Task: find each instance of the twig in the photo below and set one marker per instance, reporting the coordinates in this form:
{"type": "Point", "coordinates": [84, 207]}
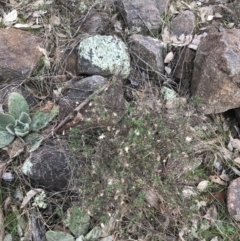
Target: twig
{"type": "Point", "coordinates": [74, 113]}
{"type": "Point", "coordinates": [1, 225]}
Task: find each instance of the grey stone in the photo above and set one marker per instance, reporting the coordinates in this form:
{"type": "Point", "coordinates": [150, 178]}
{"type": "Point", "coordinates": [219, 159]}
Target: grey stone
{"type": "Point", "coordinates": [106, 109]}
{"type": "Point", "coordinates": [48, 166]}
{"type": "Point", "coordinates": [233, 199]}
{"type": "Point", "coordinates": [142, 14]}
{"type": "Point", "coordinates": [183, 23]}
{"type": "Point", "coordinates": [58, 236]}
{"type": "Point", "coordinates": [77, 221]}
{"type": "Point", "coordinates": [79, 91]}
{"type": "Point", "coordinates": [103, 55]}
{"type": "Point", "coordinates": [97, 22]}
{"type": "Point", "coordinates": [216, 75]}
{"type": "Point", "coordinates": [19, 54]}
{"type": "Point", "coordinates": [147, 53]}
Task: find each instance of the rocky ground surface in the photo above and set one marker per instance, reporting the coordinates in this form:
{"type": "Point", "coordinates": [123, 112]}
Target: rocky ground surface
{"type": "Point", "coordinates": [119, 120]}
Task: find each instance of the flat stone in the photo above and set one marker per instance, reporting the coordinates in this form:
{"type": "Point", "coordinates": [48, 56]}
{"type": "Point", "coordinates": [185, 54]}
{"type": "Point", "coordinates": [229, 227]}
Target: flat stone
{"type": "Point", "coordinates": [183, 23]}
{"type": "Point", "coordinates": [106, 109]}
{"type": "Point", "coordinates": [97, 22]}
{"type": "Point", "coordinates": [233, 199]}
{"type": "Point", "coordinates": [216, 74]}
{"type": "Point", "coordinates": [48, 166]}
{"type": "Point", "coordinates": [147, 53]}
{"type": "Point", "coordinates": [59, 236]}
{"type": "Point", "coordinates": [103, 55]}
{"type": "Point", "coordinates": [77, 221]}
{"type": "Point", "coordinates": [144, 15]}
{"type": "Point", "coordinates": [78, 92]}
{"type": "Point", "coordinates": [19, 54]}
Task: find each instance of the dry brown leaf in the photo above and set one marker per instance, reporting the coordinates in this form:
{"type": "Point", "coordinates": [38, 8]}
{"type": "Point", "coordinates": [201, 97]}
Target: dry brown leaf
{"type": "Point", "coordinates": [237, 160]}
{"type": "Point", "coordinates": [225, 153]}
{"type": "Point", "coordinates": [224, 177]}
{"type": "Point", "coordinates": [218, 180]}
{"type": "Point", "coordinates": [169, 57]}
{"type": "Point", "coordinates": [235, 143]}
{"type": "Point", "coordinates": [217, 15]}
{"type": "Point", "coordinates": [211, 214]}
{"type": "Point", "coordinates": [152, 198]}
{"type": "Point", "coordinates": [56, 21]}
{"type": "Point", "coordinates": [7, 204]}
{"type": "Point", "coordinates": [202, 185]}
{"type": "Point", "coordinates": [220, 196]}
{"type": "Point", "coordinates": [15, 148]}
{"type": "Point", "coordinates": [29, 196]}
{"type": "Point", "coordinates": [166, 35]}
{"type": "Point", "coordinates": [3, 167]}
{"type": "Point", "coordinates": [46, 58]}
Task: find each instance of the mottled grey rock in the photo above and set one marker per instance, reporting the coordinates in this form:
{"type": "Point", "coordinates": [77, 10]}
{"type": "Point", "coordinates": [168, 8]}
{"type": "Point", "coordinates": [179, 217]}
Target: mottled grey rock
{"type": "Point", "coordinates": [19, 53]}
{"type": "Point", "coordinates": [103, 55]}
{"type": "Point", "coordinates": [48, 166]}
{"type": "Point", "coordinates": [58, 236]}
{"type": "Point", "coordinates": [183, 23]}
{"type": "Point", "coordinates": [147, 53]}
{"type": "Point", "coordinates": [216, 75]}
{"type": "Point", "coordinates": [143, 14]}
{"type": "Point", "coordinates": [97, 22]}
{"type": "Point", "coordinates": [233, 199]}
{"type": "Point", "coordinates": [78, 92]}
{"type": "Point", "coordinates": [106, 109]}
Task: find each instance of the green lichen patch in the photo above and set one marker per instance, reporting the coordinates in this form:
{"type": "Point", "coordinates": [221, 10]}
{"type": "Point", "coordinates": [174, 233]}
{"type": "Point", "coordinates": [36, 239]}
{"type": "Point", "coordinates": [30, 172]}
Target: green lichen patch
{"type": "Point", "coordinates": [106, 53]}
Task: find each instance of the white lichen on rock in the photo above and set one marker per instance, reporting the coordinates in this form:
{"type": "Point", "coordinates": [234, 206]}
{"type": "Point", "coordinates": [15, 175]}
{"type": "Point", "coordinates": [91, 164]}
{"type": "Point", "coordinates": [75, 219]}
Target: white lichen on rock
{"type": "Point", "coordinates": [27, 166]}
{"type": "Point", "coordinates": [105, 53]}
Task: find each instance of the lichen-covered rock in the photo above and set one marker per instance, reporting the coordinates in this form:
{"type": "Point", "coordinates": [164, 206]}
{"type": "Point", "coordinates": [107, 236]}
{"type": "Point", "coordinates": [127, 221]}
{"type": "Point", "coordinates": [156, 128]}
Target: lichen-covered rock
{"type": "Point", "coordinates": [147, 53]}
{"type": "Point", "coordinates": [103, 55]}
{"type": "Point", "coordinates": [77, 221]}
{"type": "Point", "coordinates": [19, 53]}
{"type": "Point", "coordinates": [142, 15]}
{"type": "Point", "coordinates": [233, 199]}
{"type": "Point", "coordinates": [48, 166]}
{"type": "Point", "coordinates": [216, 74]}
{"type": "Point", "coordinates": [58, 236]}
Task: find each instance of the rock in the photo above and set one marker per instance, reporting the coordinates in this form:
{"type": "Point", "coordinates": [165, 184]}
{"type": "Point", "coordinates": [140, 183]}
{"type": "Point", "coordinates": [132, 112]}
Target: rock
{"type": "Point", "coordinates": [103, 55]}
{"type": "Point", "coordinates": [233, 199]}
{"type": "Point", "coordinates": [184, 64]}
{"type": "Point", "coordinates": [48, 166]}
{"type": "Point", "coordinates": [228, 13]}
{"type": "Point", "coordinates": [79, 91]}
{"type": "Point", "coordinates": [8, 237]}
{"type": "Point", "coordinates": [147, 53]}
{"type": "Point", "coordinates": [216, 75]}
{"type": "Point", "coordinates": [142, 15]}
{"type": "Point", "coordinates": [106, 109]}
{"type": "Point", "coordinates": [59, 236]}
{"type": "Point", "coordinates": [183, 23]}
{"type": "Point", "coordinates": [77, 221]}
{"type": "Point", "coordinates": [19, 53]}
{"type": "Point", "coordinates": [97, 22]}
{"type": "Point", "coordinates": [67, 60]}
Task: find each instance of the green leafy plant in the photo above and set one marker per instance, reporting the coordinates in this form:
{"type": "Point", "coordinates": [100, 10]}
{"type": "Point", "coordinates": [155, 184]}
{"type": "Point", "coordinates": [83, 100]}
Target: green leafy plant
{"type": "Point", "coordinates": [19, 123]}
